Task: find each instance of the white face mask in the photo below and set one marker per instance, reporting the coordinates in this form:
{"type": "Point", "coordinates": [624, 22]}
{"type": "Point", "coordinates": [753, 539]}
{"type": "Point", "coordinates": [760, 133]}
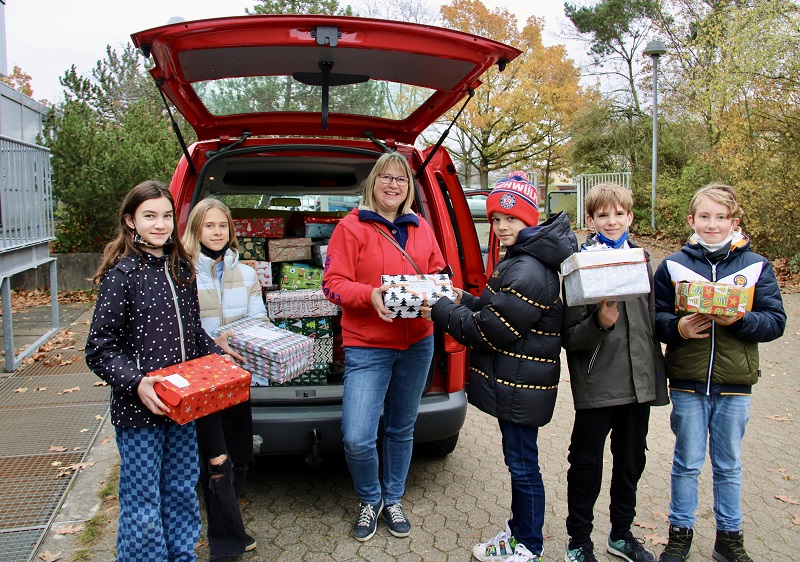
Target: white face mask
{"type": "Point", "coordinates": [714, 247]}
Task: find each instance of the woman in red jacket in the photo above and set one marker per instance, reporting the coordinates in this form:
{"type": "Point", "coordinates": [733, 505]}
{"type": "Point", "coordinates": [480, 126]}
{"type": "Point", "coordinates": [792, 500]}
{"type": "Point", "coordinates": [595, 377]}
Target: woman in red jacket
{"type": "Point", "coordinates": [386, 360]}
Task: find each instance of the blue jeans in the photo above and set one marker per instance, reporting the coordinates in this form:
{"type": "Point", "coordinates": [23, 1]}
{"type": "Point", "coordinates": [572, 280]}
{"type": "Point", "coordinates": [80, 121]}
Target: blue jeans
{"type": "Point", "coordinates": [159, 515]}
{"type": "Point", "coordinates": [527, 488]}
{"type": "Point", "coordinates": [391, 380]}
{"type": "Point", "coordinates": [720, 421]}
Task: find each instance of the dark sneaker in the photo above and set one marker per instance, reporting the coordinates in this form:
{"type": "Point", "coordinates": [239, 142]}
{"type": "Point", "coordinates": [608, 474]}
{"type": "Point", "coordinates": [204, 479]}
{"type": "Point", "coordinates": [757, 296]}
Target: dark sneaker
{"type": "Point", "coordinates": [251, 544]}
{"type": "Point", "coordinates": [680, 541]}
{"type": "Point", "coordinates": [729, 547]}
{"type": "Point", "coordinates": [397, 520]}
{"type": "Point", "coordinates": [367, 521]}
{"type": "Point", "coordinates": [583, 553]}
{"type": "Point", "coordinates": [630, 548]}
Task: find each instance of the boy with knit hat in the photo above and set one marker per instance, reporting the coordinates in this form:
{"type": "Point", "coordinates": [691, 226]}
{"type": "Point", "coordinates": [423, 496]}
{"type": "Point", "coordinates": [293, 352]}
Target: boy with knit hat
{"type": "Point", "coordinates": [513, 330]}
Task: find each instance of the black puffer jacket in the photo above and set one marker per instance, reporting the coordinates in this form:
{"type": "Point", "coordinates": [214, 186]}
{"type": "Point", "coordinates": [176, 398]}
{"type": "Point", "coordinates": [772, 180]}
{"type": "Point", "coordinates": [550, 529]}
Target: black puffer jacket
{"type": "Point", "coordinates": [514, 328]}
{"type": "Point", "coordinates": [135, 330]}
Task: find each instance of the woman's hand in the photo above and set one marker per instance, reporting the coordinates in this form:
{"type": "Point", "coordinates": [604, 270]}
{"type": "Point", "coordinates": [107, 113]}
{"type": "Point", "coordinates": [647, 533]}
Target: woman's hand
{"type": "Point", "coordinates": [692, 326]}
{"type": "Point", "coordinates": [147, 394]}
{"type": "Point", "coordinates": [222, 341]}
{"type": "Point", "coordinates": [377, 302]}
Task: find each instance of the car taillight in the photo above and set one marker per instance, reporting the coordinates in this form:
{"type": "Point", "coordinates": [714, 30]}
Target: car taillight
{"type": "Point", "coordinates": [451, 345]}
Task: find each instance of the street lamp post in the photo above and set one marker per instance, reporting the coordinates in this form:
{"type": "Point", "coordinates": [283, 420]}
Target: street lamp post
{"type": "Point", "coordinates": [654, 50]}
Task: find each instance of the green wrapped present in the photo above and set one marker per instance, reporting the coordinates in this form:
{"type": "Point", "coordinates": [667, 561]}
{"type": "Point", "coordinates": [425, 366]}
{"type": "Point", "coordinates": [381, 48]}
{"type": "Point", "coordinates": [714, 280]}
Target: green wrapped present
{"type": "Point", "coordinates": [296, 276]}
{"type": "Point", "coordinates": [311, 326]}
{"type": "Point", "coordinates": [252, 248]}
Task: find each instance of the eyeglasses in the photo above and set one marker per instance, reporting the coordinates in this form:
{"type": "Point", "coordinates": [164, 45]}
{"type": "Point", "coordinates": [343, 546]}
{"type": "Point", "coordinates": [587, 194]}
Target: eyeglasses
{"type": "Point", "coordinates": [386, 179]}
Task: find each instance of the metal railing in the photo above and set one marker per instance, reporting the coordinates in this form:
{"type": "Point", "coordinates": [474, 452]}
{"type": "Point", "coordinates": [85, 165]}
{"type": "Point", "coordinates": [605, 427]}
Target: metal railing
{"type": "Point", "coordinates": [585, 182]}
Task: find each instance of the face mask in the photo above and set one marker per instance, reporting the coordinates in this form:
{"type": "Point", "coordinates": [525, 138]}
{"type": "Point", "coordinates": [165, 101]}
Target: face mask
{"type": "Point", "coordinates": [615, 244]}
{"type": "Point", "coordinates": [716, 246]}
{"type": "Point", "coordinates": [214, 254]}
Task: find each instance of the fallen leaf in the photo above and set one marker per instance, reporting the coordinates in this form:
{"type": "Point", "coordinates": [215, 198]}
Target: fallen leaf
{"type": "Point", "coordinates": [100, 383]}
{"type": "Point", "coordinates": [79, 465]}
{"type": "Point", "coordinates": [647, 526]}
{"type": "Point", "coordinates": [70, 390]}
{"type": "Point", "coordinates": [98, 417]}
{"type": "Point", "coordinates": [795, 519]}
{"type": "Point", "coordinates": [70, 529]}
{"type": "Point", "coordinates": [778, 417]}
{"type": "Point", "coordinates": [201, 544]}
{"type": "Point", "coordinates": [660, 515]}
{"type": "Point", "coordinates": [21, 390]}
{"type": "Point", "coordinates": [656, 539]}
{"type": "Point", "coordinates": [84, 430]}
{"type": "Point", "coordinates": [56, 463]}
{"type": "Point", "coordinates": [787, 499]}
{"type": "Point", "coordinates": [105, 440]}
{"type": "Point", "coordinates": [41, 389]}
{"type": "Point", "coordinates": [56, 449]}
{"type": "Point", "coordinates": [48, 556]}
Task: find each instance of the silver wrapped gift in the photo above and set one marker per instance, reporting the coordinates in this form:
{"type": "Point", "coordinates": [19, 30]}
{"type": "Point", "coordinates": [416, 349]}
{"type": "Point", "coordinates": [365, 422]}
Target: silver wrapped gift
{"type": "Point", "coordinates": [592, 276]}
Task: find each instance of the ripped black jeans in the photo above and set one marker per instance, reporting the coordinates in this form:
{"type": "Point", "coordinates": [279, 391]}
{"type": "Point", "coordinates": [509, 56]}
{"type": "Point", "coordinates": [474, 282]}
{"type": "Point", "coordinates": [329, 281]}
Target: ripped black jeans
{"type": "Point", "coordinates": [228, 432]}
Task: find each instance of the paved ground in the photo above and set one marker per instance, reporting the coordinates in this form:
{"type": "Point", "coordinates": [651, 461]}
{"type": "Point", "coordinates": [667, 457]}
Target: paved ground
{"type": "Point", "coordinates": [300, 513]}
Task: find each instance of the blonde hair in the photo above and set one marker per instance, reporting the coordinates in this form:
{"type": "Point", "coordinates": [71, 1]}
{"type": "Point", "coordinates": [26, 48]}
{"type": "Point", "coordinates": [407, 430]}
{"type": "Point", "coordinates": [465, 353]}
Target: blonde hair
{"type": "Point", "coordinates": [719, 193]}
{"type": "Point", "coordinates": [194, 226]}
{"type": "Point", "coordinates": [608, 195]}
{"type": "Point", "coordinates": [378, 169]}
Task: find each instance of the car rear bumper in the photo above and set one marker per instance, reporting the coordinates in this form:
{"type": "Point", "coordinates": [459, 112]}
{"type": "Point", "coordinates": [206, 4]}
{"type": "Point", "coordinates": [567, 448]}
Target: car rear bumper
{"type": "Point", "coordinates": [293, 429]}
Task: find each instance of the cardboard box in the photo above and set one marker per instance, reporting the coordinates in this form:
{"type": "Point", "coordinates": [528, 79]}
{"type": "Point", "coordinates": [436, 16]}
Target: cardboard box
{"type": "Point", "coordinates": [270, 352]}
{"type": "Point", "coordinates": [261, 227]}
{"type": "Point", "coordinates": [296, 276]}
{"type": "Point", "coordinates": [298, 304]}
{"type": "Point", "coordinates": [263, 271]}
{"type": "Point", "coordinates": [711, 298]}
{"type": "Point", "coordinates": [592, 276]}
{"type": "Point", "coordinates": [202, 386]}
{"type": "Point", "coordinates": [289, 249]}
{"type": "Point", "coordinates": [252, 249]}
{"type": "Point", "coordinates": [409, 292]}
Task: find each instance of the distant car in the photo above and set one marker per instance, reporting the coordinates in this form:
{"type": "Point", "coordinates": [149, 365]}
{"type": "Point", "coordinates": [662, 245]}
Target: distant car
{"type": "Point", "coordinates": [291, 112]}
{"type": "Point", "coordinates": [476, 200]}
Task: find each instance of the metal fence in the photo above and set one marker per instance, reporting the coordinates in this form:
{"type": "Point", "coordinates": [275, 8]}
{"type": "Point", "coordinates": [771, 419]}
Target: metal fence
{"type": "Point", "coordinates": [585, 182]}
{"type": "Point", "coordinates": [26, 194]}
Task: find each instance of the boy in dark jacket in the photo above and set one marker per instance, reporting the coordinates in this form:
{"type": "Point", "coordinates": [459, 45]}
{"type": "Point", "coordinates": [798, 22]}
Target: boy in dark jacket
{"type": "Point", "coordinates": [616, 373]}
{"type": "Point", "coordinates": [712, 364]}
{"type": "Point", "coordinates": [514, 332]}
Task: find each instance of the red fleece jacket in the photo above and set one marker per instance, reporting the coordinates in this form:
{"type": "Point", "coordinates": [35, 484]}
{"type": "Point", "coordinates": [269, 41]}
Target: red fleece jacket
{"type": "Point", "coordinates": [357, 257]}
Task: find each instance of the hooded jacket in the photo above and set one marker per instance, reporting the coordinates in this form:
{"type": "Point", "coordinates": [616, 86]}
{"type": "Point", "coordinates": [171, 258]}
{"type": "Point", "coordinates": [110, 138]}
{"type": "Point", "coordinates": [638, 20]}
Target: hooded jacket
{"type": "Point", "coordinates": [357, 257]}
{"type": "Point", "coordinates": [143, 321]}
{"type": "Point", "coordinates": [727, 361]}
{"type": "Point", "coordinates": [237, 297]}
{"type": "Point", "coordinates": [622, 365]}
{"type": "Point", "coordinates": [514, 327]}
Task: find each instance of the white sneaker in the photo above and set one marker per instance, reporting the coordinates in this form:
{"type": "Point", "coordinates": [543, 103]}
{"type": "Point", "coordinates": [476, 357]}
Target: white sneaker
{"type": "Point", "coordinates": [522, 554]}
{"type": "Point", "coordinates": [499, 549]}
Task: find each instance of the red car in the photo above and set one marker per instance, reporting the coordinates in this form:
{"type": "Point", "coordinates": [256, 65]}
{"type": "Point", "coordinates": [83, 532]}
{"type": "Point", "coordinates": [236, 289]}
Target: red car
{"type": "Point", "coordinates": [293, 109]}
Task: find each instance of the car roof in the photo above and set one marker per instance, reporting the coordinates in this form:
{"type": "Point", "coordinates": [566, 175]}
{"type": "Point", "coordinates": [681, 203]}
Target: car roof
{"type": "Point", "coordinates": [264, 74]}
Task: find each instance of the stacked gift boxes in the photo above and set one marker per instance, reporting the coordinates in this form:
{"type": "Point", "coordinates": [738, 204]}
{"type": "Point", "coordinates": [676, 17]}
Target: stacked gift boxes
{"type": "Point", "coordinates": [260, 227]}
{"type": "Point", "coordinates": [593, 276]}
{"type": "Point", "coordinates": [298, 304]}
{"type": "Point", "coordinates": [316, 376]}
{"type": "Point", "coordinates": [705, 297]}
{"type": "Point", "coordinates": [252, 248]}
{"type": "Point", "coordinates": [296, 276]}
{"type": "Point", "coordinates": [263, 271]}
{"type": "Point", "coordinates": [289, 249]}
{"type": "Point", "coordinates": [271, 354]}
{"type": "Point", "coordinates": [202, 386]}
{"type": "Point", "coordinates": [409, 292]}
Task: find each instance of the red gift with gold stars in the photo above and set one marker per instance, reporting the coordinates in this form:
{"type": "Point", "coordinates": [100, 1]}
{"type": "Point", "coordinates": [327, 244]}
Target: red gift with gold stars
{"type": "Point", "coordinates": [201, 387]}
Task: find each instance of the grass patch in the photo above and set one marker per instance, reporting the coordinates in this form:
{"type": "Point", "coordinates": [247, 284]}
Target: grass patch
{"type": "Point", "coordinates": [95, 529]}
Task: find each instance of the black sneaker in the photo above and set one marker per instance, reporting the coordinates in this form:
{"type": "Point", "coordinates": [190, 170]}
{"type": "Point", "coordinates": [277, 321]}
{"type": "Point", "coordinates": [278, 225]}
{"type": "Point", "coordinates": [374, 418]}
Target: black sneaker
{"type": "Point", "coordinates": [367, 521]}
{"type": "Point", "coordinates": [251, 544]}
{"type": "Point", "coordinates": [583, 553]}
{"type": "Point", "coordinates": [680, 541]}
{"type": "Point", "coordinates": [630, 548]}
{"type": "Point", "coordinates": [729, 547]}
{"type": "Point", "coordinates": [397, 520]}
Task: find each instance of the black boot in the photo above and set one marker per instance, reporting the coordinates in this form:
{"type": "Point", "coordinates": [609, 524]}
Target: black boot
{"type": "Point", "coordinates": [729, 547]}
{"type": "Point", "coordinates": [680, 541]}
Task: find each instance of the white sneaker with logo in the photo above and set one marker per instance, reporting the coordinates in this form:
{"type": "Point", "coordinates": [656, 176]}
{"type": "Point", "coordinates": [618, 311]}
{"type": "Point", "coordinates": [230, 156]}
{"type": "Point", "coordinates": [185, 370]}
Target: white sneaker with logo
{"type": "Point", "coordinates": [498, 549]}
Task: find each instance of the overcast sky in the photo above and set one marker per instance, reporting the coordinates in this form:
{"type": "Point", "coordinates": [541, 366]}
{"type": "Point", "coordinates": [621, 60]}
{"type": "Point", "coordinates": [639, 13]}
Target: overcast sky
{"type": "Point", "coordinates": [46, 37]}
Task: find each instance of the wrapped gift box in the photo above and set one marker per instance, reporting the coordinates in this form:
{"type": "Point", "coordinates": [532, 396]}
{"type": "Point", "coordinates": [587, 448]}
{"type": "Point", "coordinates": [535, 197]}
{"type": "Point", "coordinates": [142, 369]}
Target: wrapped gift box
{"type": "Point", "coordinates": [296, 276]}
{"type": "Point", "coordinates": [262, 227]}
{"type": "Point", "coordinates": [279, 355]}
{"type": "Point", "coordinates": [202, 386]}
{"type": "Point", "coordinates": [263, 271]}
{"type": "Point", "coordinates": [592, 276]}
{"type": "Point", "coordinates": [710, 298]}
{"type": "Point", "coordinates": [289, 249]}
{"type": "Point", "coordinates": [318, 254]}
{"type": "Point", "coordinates": [313, 327]}
{"type": "Point", "coordinates": [252, 249]}
{"type": "Point", "coordinates": [316, 376]}
{"type": "Point", "coordinates": [409, 292]}
{"type": "Point", "coordinates": [298, 304]}
{"type": "Point", "coordinates": [323, 351]}
{"type": "Point", "coordinates": [319, 230]}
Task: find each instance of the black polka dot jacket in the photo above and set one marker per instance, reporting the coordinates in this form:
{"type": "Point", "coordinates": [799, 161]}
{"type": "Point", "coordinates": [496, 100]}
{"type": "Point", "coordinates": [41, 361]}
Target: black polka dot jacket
{"type": "Point", "coordinates": [143, 321]}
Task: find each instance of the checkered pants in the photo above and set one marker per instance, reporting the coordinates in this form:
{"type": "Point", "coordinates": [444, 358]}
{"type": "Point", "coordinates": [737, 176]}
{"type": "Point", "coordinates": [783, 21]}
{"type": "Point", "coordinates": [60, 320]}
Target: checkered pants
{"type": "Point", "coordinates": [159, 517]}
